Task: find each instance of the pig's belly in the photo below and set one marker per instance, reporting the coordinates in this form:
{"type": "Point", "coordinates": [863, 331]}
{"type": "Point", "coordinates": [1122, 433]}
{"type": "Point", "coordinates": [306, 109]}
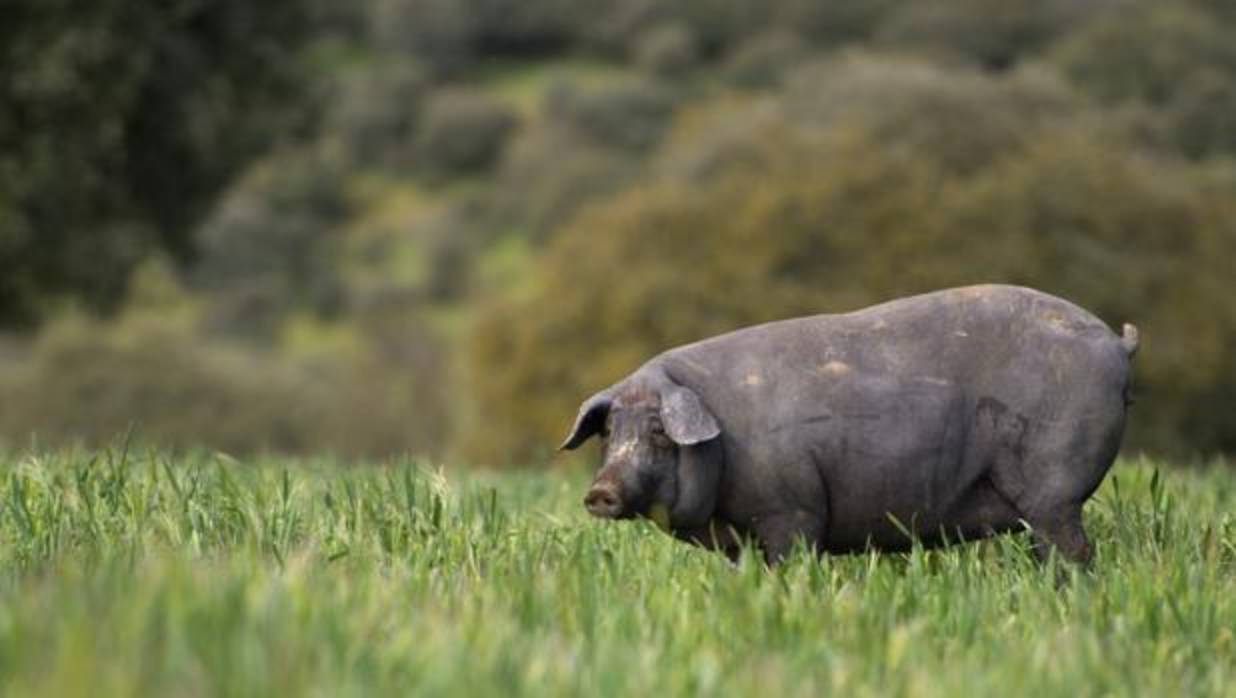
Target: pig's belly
{"type": "Point", "coordinates": [875, 517]}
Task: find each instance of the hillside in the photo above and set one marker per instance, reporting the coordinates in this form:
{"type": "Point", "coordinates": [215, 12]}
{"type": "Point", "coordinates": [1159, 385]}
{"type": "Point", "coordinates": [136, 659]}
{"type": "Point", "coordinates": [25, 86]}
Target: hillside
{"type": "Point", "coordinates": [474, 213]}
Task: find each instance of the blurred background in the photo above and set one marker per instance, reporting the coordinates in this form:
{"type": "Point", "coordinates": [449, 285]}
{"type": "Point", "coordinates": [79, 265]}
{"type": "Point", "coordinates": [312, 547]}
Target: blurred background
{"type": "Point", "coordinates": [433, 226]}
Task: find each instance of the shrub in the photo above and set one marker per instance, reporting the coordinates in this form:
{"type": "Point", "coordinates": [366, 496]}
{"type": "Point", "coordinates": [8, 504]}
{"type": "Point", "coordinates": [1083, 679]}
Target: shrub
{"type": "Point", "coordinates": [438, 33]}
{"type": "Point", "coordinates": [450, 36]}
{"type": "Point", "coordinates": [1188, 76]}
{"type": "Point", "coordinates": [629, 115]}
{"type": "Point", "coordinates": [763, 60]}
{"type": "Point", "coordinates": [269, 248]}
{"type": "Point", "coordinates": [548, 174]}
{"type": "Point", "coordinates": [995, 34]}
{"type": "Point", "coordinates": [666, 50]}
{"type": "Point", "coordinates": [376, 112]}
{"type": "Point", "coordinates": [375, 396]}
{"type": "Point", "coordinates": [831, 23]}
{"type": "Point", "coordinates": [89, 382]}
{"type": "Point", "coordinates": [1201, 120]}
{"type": "Point", "coordinates": [462, 132]}
{"type": "Point", "coordinates": [963, 118]}
{"type": "Point", "coordinates": [721, 24]}
{"type": "Point", "coordinates": [1110, 59]}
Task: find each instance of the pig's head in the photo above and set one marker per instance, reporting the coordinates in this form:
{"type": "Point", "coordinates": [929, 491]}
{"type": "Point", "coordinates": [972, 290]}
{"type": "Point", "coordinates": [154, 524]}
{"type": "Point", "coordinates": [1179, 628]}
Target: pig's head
{"type": "Point", "coordinates": [661, 454]}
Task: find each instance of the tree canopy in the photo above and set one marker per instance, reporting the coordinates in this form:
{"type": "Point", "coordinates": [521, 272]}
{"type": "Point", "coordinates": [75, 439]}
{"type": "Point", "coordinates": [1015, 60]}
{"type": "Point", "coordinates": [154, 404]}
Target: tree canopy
{"type": "Point", "coordinates": [120, 123]}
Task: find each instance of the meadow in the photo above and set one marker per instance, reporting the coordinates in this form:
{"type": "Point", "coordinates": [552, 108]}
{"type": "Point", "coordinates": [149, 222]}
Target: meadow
{"type": "Point", "coordinates": [135, 572]}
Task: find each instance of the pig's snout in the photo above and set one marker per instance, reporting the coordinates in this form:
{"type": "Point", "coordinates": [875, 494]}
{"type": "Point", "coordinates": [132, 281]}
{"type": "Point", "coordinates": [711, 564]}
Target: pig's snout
{"type": "Point", "coordinates": [603, 500]}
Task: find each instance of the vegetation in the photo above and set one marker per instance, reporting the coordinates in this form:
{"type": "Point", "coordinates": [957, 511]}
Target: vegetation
{"type": "Point", "coordinates": [352, 230]}
{"type": "Point", "coordinates": [431, 226]}
{"type": "Point", "coordinates": [145, 573]}
{"type": "Point", "coordinates": [119, 123]}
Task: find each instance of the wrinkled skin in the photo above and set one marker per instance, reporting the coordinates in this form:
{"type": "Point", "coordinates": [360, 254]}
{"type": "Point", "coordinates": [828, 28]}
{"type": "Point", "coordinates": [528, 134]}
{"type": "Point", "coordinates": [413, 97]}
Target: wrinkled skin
{"type": "Point", "coordinates": [950, 416]}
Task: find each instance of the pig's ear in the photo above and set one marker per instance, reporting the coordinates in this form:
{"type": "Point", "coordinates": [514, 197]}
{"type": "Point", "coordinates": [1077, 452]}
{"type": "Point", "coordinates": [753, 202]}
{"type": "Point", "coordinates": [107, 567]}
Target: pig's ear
{"type": "Point", "coordinates": [591, 419]}
{"type": "Point", "coordinates": [687, 421]}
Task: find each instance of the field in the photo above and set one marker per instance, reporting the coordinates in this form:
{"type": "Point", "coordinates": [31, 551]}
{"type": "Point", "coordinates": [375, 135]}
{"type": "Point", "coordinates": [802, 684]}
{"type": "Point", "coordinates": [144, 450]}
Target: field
{"type": "Point", "coordinates": [143, 573]}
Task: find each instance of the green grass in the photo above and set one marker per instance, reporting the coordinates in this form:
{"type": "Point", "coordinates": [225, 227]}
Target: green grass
{"type": "Point", "coordinates": [148, 574]}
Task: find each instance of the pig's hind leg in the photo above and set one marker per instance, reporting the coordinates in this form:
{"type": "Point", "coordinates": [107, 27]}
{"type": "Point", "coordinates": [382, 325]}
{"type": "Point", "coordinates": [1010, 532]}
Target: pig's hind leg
{"type": "Point", "coordinates": [1059, 527]}
{"type": "Point", "coordinates": [1058, 473]}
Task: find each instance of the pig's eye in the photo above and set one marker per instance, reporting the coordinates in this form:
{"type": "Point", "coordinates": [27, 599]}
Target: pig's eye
{"type": "Point", "coordinates": [656, 432]}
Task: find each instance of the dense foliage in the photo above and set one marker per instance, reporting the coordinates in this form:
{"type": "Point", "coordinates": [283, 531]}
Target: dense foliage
{"type": "Point", "coordinates": [134, 574]}
{"type": "Point", "coordinates": [495, 207]}
{"type": "Point", "coordinates": [119, 123]}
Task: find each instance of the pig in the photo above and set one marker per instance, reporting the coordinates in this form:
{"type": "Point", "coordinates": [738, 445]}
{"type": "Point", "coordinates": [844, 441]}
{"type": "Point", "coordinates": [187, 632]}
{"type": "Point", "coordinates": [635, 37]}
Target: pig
{"type": "Point", "coordinates": [940, 418]}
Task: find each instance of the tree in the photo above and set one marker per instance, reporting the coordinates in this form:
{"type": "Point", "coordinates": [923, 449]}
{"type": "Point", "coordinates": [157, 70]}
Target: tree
{"type": "Point", "coordinates": [119, 123]}
{"type": "Point", "coordinates": [1178, 59]}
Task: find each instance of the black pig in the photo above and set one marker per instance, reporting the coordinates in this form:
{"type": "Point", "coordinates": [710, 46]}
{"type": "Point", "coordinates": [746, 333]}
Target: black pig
{"type": "Point", "coordinates": [950, 416]}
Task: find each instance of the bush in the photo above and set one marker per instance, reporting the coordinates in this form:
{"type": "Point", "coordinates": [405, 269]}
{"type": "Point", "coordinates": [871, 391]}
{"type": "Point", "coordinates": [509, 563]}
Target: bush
{"type": "Point", "coordinates": [376, 113]}
{"type": "Point", "coordinates": [1188, 76]}
{"type": "Point", "coordinates": [963, 118]}
{"type": "Point", "coordinates": [666, 50]}
{"type": "Point", "coordinates": [721, 24]}
{"type": "Point", "coordinates": [763, 60]}
{"type": "Point", "coordinates": [1201, 120]}
{"type": "Point", "coordinates": [451, 36]}
{"type": "Point", "coordinates": [629, 115]}
{"type": "Point", "coordinates": [376, 396]}
{"type": "Point", "coordinates": [831, 23]}
{"type": "Point", "coordinates": [548, 174]}
{"type": "Point", "coordinates": [462, 132]}
{"type": "Point", "coordinates": [89, 382]}
{"type": "Point", "coordinates": [270, 247]}
{"type": "Point", "coordinates": [437, 32]}
{"type": "Point", "coordinates": [1110, 59]}
{"type": "Point", "coordinates": [447, 242]}
{"type": "Point", "coordinates": [995, 34]}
